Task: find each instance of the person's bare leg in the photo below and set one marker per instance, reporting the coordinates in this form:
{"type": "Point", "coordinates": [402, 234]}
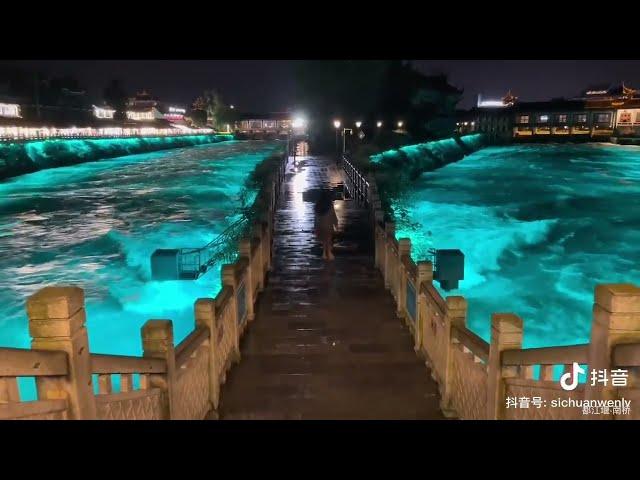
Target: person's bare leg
{"type": "Point", "coordinates": [330, 255]}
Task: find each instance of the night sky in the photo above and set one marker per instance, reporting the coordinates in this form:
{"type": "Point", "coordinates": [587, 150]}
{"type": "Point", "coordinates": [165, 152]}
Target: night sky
{"type": "Point", "coordinates": [268, 85]}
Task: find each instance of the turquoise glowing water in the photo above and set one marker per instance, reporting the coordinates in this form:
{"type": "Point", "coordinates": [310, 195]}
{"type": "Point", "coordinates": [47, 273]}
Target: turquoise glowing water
{"type": "Point", "coordinates": [22, 157]}
{"type": "Point", "coordinates": [540, 226]}
{"type": "Point", "coordinates": [96, 225]}
{"type": "Point", "coordinates": [430, 152]}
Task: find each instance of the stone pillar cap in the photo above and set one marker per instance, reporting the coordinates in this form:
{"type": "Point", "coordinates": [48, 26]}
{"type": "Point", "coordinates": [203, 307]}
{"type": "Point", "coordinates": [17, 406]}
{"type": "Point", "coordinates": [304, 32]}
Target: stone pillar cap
{"type": "Point", "coordinates": [55, 303]}
{"type": "Point", "coordinates": [618, 297]}
{"type": "Point", "coordinates": [506, 322]}
{"type": "Point", "coordinates": [158, 330]}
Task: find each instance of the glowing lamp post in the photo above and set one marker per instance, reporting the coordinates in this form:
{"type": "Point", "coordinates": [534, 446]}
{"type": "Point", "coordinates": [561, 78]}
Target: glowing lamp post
{"type": "Point", "coordinates": [379, 124]}
{"type": "Point", "coordinates": [358, 124]}
{"type": "Point", "coordinates": [400, 124]}
{"type": "Point", "coordinates": [336, 124]}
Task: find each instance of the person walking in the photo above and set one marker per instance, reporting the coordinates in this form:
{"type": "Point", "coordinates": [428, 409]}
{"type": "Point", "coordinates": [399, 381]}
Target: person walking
{"type": "Point", "coordinates": [325, 222]}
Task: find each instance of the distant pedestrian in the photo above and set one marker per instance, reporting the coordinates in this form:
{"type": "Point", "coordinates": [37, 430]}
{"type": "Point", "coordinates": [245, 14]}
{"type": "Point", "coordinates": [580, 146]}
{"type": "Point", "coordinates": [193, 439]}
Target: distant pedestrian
{"type": "Point", "coordinates": [325, 222]}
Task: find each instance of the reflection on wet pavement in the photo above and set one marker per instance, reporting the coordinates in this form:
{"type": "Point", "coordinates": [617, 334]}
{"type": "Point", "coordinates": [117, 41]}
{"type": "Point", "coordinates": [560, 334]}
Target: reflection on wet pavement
{"type": "Point", "coordinates": [326, 343]}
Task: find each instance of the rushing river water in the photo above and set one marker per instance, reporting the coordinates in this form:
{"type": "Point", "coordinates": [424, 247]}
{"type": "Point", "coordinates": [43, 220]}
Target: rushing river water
{"type": "Point", "coordinates": [95, 225]}
{"type": "Point", "coordinates": [540, 226]}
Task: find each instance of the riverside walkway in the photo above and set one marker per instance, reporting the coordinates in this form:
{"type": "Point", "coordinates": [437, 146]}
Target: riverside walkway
{"type": "Point", "coordinates": [326, 342]}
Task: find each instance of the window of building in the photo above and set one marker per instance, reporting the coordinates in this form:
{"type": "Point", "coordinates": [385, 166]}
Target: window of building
{"type": "Point", "coordinates": [543, 118]}
{"type": "Point", "coordinates": [562, 118]}
{"type": "Point", "coordinates": [625, 117]}
{"type": "Point", "coordinates": [581, 118]}
{"type": "Point", "coordinates": [603, 117]}
{"type": "Point", "coordinates": [523, 119]}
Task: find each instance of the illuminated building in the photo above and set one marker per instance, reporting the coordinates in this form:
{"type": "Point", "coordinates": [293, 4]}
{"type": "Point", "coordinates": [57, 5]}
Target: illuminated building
{"type": "Point", "coordinates": [175, 114]}
{"type": "Point", "coordinates": [103, 112]}
{"type": "Point", "coordinates": [259, 125]}
{"type": "Point", "coordinates": [600, 114]}
{"type": "Point", "coordinates": [143, 107]}
{"type": "Point", "coordinates": [9, 110]}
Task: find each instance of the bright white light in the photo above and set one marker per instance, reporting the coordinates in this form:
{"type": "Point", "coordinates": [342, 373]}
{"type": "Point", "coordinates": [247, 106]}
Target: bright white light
{"type": "Point", "coordinates": [298, 122]}
{"type": "Point", "coordinates": [231, 107]}
{"type": "Point", "coordinates": [358, 124]}
{"type": "Point", "coordinates": [400, 124]}
{"type": "Point", "coordinates": [336, 123]}
{"type": "Point", "coordinates": [491, 103]}
{"type": "Point", "coordinates": [379, 124]}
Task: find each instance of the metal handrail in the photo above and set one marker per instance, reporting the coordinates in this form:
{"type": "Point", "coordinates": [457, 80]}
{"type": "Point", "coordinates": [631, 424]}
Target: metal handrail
{"type": "Point", "coordinates": [195, 261]}
{"type": "Point", "coordinates": [359, 182]}
{"type": "Point", "coordinates": [221, 248]}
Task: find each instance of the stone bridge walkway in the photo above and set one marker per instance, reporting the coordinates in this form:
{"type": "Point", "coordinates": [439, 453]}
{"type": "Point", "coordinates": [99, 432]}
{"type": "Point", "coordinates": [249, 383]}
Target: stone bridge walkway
{"type": "Point", "coordinates": [326, 343]}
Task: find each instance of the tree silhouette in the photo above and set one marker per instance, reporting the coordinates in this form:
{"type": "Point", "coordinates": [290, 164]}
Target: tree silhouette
{"type": "Point", "coordinates": [116, 97]}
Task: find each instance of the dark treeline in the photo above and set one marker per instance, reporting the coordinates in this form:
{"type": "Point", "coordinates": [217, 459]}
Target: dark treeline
{"type": "Point", "coordinates": [370, 91]}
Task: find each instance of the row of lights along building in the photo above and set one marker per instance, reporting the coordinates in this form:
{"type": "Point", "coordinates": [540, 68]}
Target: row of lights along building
{"type": "Point", "coordinates": [603, 114]}
{"type": "Point", "coordinates": [145, 116]}
{"type": "Point", "coordinates": [141, 108]}
{"type": "Point", "coordinates": [143, 111]}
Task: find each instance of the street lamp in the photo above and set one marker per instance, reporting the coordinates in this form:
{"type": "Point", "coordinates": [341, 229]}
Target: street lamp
{"type": "Point", "coordinates": [231, 107]}
{"type": "Point", "coordinates": [400, 123]}
{"type": "Point", "coordinates": [358, 124]}
{"type": "Point", "coordinates": [336, 124]}
{"type": "Point", "coordinates": [379, 124]}
{"type": "Point", "coordinates": [344, 138]}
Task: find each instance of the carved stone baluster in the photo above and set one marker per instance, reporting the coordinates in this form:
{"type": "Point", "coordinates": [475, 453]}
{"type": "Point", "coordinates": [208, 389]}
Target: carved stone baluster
{"type": "Point", "coordinates": [157, 342]}
{"type": "Point", "coordinates": [546, 373]}
{"type": "Point", "coordinates": [126, 382]}
{"type": "Point", "coordinates": [9, 391]}
{"type": "Point", "coordinates": [506, 334]}
{"type": "Point", "coordinates": [104, 384]}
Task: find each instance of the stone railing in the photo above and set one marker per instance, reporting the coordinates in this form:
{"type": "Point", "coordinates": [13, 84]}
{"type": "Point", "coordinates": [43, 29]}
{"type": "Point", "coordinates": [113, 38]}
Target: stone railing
{"type": "Point", "coordinates": [167, 382]}
{"type": "Point", "coordinates": [476, 378]}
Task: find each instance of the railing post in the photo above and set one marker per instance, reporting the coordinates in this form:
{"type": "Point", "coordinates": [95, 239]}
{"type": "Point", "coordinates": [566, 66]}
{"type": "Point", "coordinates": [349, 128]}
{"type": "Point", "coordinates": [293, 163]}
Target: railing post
{"type": "Point", "coordinates": [257, 234]}
{"type": "Point", "coordinates": [404, 249]}
{"type": "Point", "coordinates": [455, 315]}
{"type": "Point", "coordinates": [57, 322]}
{"type": "Point", "coordinates": [205, 313]}
{"type": "Point", "coordinates": [244, 249]}
{"type": "Point", "coordinates": [157, 342]}
{"type": "Point", "coordinates": [616, 320]}
{"type": "Point", "coordinates": [229, 280]}
{"type": "Point", "coordinates": [390, 231]}
{"type": "Point", "coordinates": [506, 334]}
{"type": "Point", "coordinates": [425, 276]}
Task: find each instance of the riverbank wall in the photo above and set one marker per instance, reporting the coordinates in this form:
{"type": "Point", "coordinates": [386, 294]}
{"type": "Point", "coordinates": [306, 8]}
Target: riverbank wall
{"type": "Point", "coordinates": [18, 158]}
{"type": "Point", "coordinates": [395, 169]}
